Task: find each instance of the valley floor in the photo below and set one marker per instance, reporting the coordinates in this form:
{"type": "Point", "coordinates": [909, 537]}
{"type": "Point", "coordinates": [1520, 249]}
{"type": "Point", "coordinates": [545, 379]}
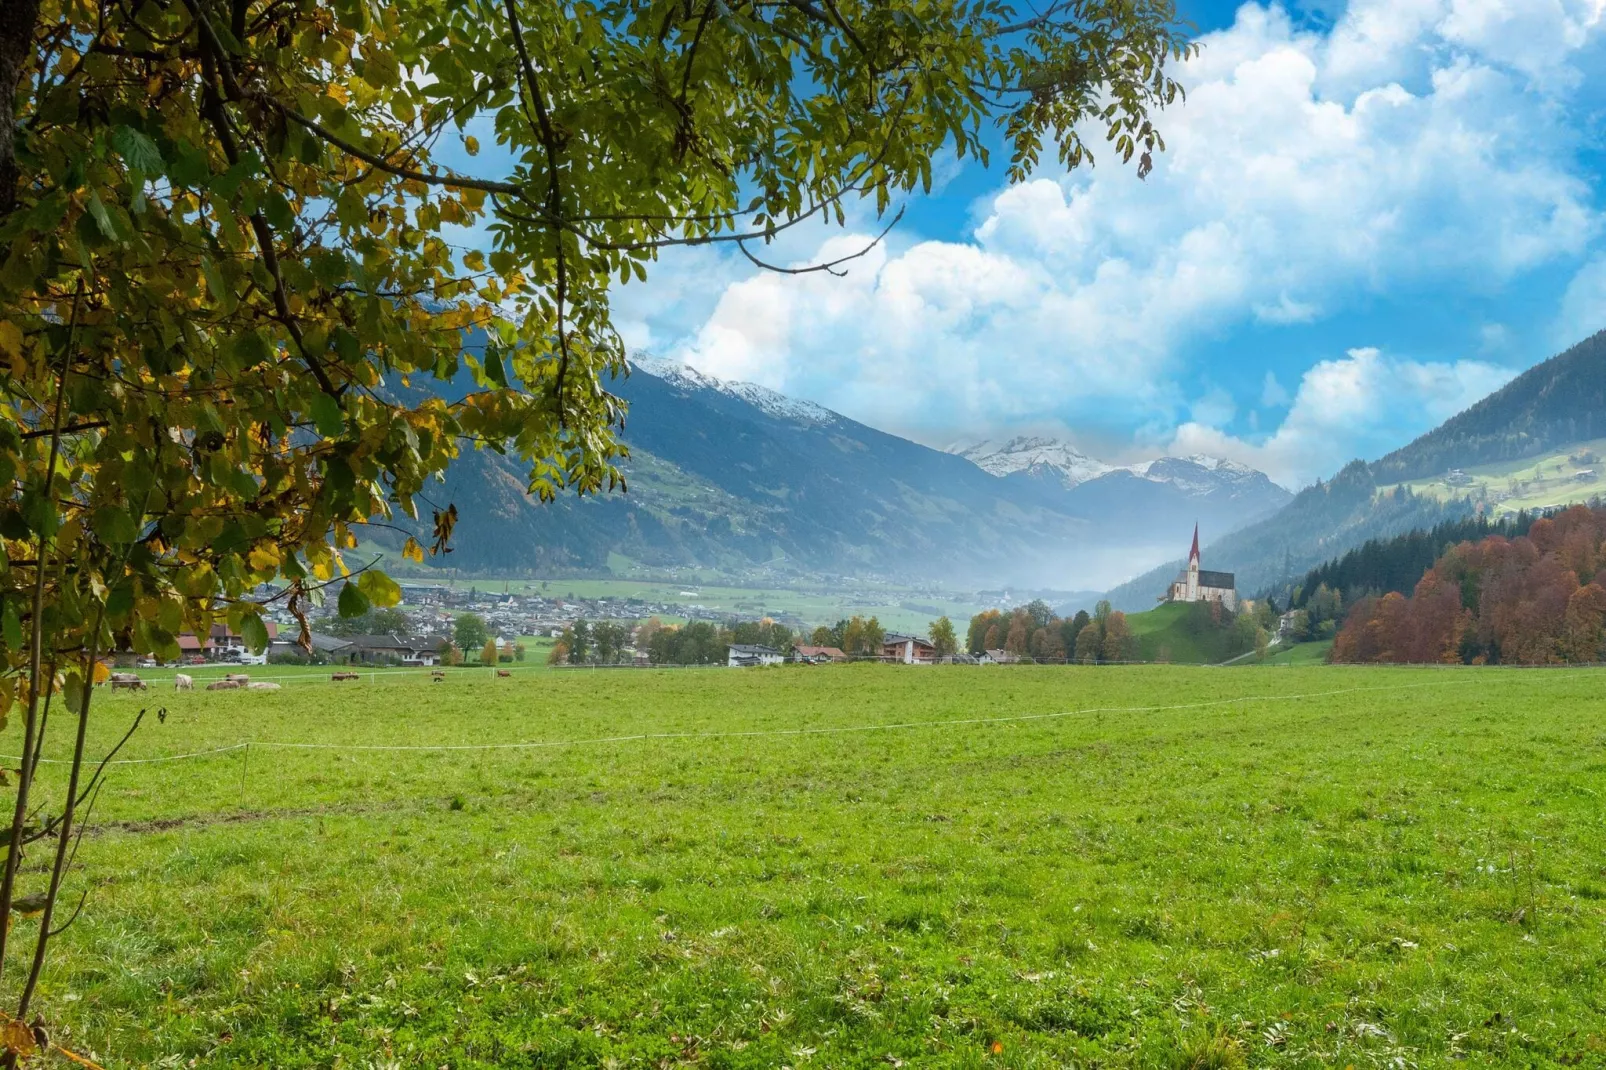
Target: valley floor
{"type": "Point", "coordinates": [853, 866]}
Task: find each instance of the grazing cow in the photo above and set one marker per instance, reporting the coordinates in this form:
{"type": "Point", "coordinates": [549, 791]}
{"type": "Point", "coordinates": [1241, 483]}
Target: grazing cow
{"type": "Point", "coordinates": [262, 685]}
{"type": "Point", "coordinates": [437, 674]}
{"type": "Point", "coordinates": [223, 685]}
{"type": "Point", "coordinates": [182, 682]}
{"type": "Point", "coordinates": [343, 676]}
{"type": "Point", "coordinates": [503, 672]}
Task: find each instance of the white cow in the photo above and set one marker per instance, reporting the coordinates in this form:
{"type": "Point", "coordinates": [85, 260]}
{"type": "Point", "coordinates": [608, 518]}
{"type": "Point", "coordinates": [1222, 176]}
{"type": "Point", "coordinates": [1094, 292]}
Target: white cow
{"type": "Point", "coordinates": [262, 685]}
{"type": "Point", "coordinates": [181, 682]}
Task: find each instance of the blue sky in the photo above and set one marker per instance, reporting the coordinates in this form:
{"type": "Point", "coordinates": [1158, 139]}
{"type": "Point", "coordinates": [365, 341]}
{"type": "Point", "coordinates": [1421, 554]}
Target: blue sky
{"type": "Point", "coordinates": [1372, 213]}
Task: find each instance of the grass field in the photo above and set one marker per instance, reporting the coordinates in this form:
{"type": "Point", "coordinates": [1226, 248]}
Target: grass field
{"type": "Point", "coordinates": [1300, 654]}
{"type": "Point", "coordinates": [1163, 634]}
{"type": "Point", "coordinates": [1039, 866]}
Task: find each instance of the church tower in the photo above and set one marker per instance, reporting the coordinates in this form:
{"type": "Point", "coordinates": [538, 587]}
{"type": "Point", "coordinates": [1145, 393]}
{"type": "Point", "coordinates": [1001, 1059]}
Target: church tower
{"type": "Point", "coordinates": [1193, 567]}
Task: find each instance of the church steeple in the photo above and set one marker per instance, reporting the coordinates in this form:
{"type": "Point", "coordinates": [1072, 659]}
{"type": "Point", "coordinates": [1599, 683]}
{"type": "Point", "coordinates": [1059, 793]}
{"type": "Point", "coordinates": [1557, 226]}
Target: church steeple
{"type": "Point", "coordinates": [1193, 554]}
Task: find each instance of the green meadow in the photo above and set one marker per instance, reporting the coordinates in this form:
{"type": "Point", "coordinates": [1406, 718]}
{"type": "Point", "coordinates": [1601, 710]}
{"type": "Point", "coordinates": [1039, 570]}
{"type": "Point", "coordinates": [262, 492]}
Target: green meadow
{"type": "Point", "coordinates": [1542, 482]}
{"type": "Point", "coordinates": [849, 866]}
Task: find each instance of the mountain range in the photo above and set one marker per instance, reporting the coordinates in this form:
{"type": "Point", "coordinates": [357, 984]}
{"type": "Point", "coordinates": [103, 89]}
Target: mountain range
{"type": "Point", "coordinates": [1553, 404]}
{"type": "Point", "coordinates": [739, 479]}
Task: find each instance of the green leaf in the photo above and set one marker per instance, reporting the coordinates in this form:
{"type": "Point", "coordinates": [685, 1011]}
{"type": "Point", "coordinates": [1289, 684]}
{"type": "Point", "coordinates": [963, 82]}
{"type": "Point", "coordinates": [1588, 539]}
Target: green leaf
{"type": "Point", "coordinates": [255, 633]}
{"type": "Point", "coordinates": [11, 625]}
{"type": "Point", "coordinates": [103, 218]}
{"type": "Point", "coordinates": [120, 602]}
{"type": "Point", "coordinates": [379, 588]}
{"type": "Point", "coordinates": [138, 151]}
{"type": "Point", "coordinates": [353, 603]}
{"type": "Point", "coordinates": [253, 349]}
{"type": "Point", "coordinates": [215, 282]}
{"type": "Point", "coordinates": [493, 367]}
{"type": "Point", "coordinates": [115, 526]}
{"type": "Point", "coordinates": [326, 414]}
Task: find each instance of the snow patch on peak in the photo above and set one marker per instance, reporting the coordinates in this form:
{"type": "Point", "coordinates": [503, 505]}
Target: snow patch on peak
{"type": "Point", "coordinates": [1026, 452]}
{"type": "Point", "coordinates": [1197, 475]}
{"type": "Point", "coordinates": [763, 398]}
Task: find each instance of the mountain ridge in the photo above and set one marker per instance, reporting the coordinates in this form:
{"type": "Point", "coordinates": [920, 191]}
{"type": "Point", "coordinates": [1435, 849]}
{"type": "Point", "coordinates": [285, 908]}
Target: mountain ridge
{"type": "Point", "coordinates": [740, 479]}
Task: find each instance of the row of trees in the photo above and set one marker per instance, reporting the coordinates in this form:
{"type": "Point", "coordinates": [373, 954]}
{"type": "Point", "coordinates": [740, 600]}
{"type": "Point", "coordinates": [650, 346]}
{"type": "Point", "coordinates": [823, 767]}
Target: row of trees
{"type": "Point", "coordinates": [1036, 631]}
{"type": "Point", "coordinates": [1532, 600]}
{"type": "Point", "coordinates": [705, 643]}
{"type": "Point", "coordinates": [1397, 562]}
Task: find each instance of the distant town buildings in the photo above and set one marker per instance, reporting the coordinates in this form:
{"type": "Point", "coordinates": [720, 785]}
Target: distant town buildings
{"type": "Point", "coordinates": [1194, 584]}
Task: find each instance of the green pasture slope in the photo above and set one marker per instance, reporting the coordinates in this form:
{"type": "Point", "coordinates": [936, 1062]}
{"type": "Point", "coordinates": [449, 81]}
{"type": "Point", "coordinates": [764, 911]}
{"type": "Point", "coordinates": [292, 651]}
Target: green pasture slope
{"type": "Point", "coordinates": [1163, 635]}
{"type": "Point", "coordinates": [1022, 867]}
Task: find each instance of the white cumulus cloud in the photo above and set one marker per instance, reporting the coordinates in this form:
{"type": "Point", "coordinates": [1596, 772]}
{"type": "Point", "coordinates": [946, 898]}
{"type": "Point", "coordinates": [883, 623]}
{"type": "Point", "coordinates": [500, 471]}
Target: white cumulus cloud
{"type": "Point", "coordinates": [1419, 140]}
{"type": "Point", "coordinates": [1360, 405]}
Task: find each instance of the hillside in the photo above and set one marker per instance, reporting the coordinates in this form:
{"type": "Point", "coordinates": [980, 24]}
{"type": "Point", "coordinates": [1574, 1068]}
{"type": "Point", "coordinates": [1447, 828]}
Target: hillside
{"type": "Point", "coordinates": [1551, 405]}
{"type": "Point", "coordinates": [1568, 475]}
{"type": "Point", "coordinates": [738, 479]}
{"type": "Point", "coordinates": [1557, 405]}
{"type": "Point", "coordinates": [1321, 522]}
{"type": "Point", "coordinates": [1181, 634]}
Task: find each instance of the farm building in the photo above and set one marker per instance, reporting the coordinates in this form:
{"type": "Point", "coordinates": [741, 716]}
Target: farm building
{"type": "Point", "coordinates": [819, 654]}
{"type": "Point", "coordinates": [743, 655]}
{"type": "Point", "coordinates": [908, 649]}
{"type": "Point", "coordinates": [422, 650]}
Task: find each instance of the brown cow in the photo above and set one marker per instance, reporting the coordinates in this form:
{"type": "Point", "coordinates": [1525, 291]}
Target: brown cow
{"type": "Point", "coordinates": [238, 677]}
{"type": "Point", "coordinates": [343, 676]}
{"type": "Point", "coordinates": [503, 672]}
{"type": "Point", "coordinates": [223, 685]}
{"type": "Point", "coordinates": [132, 683]}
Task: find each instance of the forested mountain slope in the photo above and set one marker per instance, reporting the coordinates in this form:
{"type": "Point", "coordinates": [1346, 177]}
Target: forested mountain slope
{"type": "Point", "coordinates": [1548, 406]}
{"type": "Point", "coordinates": [736, 478]}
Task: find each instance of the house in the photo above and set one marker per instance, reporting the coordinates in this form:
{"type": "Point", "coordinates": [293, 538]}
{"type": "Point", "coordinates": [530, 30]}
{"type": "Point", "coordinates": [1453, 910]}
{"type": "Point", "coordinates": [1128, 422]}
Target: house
{"type": "Point", "coordinates": [815, 655]}
{"type": "Point", "coordinates": [998, 657]}
{"type": "Point", "coordinates": [1194, 584]}
{"type": "Point", "coordinates": [221, 643]}
{"type": "Point", "coordinates": [327, 647]}
{"type": "Point", "coordinates": [742, 655]}
{"type": "Point", "coordinates": [909, 649]}
{"type": "Point", "coordinates": [421, 650]}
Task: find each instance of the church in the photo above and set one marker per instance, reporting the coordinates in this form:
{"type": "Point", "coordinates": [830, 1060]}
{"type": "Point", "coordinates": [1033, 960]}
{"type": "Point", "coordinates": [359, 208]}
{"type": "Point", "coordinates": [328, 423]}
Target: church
{"type": "Point", "coordinates": [1197, 585]}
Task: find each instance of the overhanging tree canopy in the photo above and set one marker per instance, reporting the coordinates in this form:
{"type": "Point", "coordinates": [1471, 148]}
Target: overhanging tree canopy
{"type": "Point", "coordinates": [233, 261]}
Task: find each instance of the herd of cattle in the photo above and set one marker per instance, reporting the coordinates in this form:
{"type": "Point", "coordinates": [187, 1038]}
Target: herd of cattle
{"type": "Point", "coordinates": [234, 681]}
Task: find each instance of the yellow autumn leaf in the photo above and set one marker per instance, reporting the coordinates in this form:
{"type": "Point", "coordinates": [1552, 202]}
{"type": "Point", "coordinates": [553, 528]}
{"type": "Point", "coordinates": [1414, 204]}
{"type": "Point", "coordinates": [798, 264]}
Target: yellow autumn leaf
{"type": "Point", "coordinates": [10, 339]}
{"type": "Point", "coordinates": [412, 550]}
{"type": "Point", "coordinates": [471, 144]}
{"type": "Point", "coordinates": [264, 557]}
{"type": "Point", "coordinates": [101, 672]}
{"type": "Point", "coordinates": [18, 1038]}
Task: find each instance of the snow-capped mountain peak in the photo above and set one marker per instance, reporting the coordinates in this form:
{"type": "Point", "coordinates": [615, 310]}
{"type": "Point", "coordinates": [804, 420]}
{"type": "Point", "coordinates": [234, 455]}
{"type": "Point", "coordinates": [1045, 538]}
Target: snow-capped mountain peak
{"type": "Point", "coordinates": [1195, 475]}
{"type": "Point", "coordinates": [1026, 453]}
{"type": "Point", "coordinates": [761, 397]}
